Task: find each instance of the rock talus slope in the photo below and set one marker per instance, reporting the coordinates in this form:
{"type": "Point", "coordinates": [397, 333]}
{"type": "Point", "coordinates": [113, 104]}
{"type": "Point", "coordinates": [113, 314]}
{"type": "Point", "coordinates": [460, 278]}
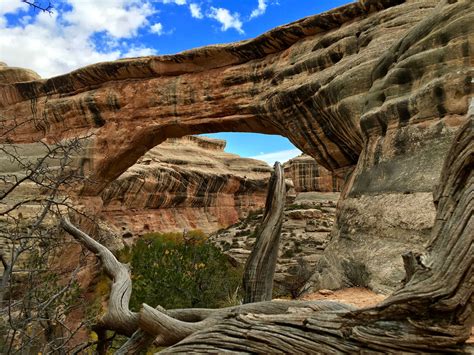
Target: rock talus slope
{"type": "Point", "coordinates": [378, 87]}
{"type": "Point", "coordinates": [305, 234]}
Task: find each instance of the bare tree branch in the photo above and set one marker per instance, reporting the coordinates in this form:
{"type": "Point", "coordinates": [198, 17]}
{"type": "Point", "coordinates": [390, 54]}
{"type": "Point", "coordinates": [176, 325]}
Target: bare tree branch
{"type": "Point", "coordinates": [118, 316]}
{"type": "Point", "coordinates": [37, 5]}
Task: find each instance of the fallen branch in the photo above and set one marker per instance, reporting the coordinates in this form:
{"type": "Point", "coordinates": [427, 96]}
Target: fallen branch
{"type": "Point", "coordinates": [168, 327]}
{"type": "Point", "coordinates": [432, 312]}
{"type": "Point", "coordinates": [118, 316]}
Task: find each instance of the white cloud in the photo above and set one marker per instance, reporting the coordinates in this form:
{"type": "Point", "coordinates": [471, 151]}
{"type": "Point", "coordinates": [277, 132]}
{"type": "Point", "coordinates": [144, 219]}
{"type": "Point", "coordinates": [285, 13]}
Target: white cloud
{"type": "Point", "coordinates": [48, 48]}
{"type": "Point", "coordinates": [120, 18]}
{"type": "Point", "coordinates": [139, 52]}
{"type": "Point", "coordinates": [260, 10]}
{"type": "Point", "coordinates": [281, 156]}
{"type": "Point", "coordinates": [227, 19]}
{"type": "Point", "coordinates": [89, 32]}
{"type": "Point", "coordinates": [157, 28]}
{"type": "Point", "coordinates": [177, 2]}
{"type": "Point", "coordinates": [195, 11]}
{"type": "Point", "coordinates": [12, 6]}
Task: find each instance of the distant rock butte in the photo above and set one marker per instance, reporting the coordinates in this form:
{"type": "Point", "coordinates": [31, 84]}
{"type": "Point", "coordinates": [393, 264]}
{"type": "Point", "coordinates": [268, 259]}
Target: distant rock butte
{"type": "Point", "coordinates": [377, 87]}
{"type": "Point", "coordinates": [307, 175]}
{"type": "Point", "coordinates": [189, 183]}
{"type": "Point", "coordinates": [9, 75]}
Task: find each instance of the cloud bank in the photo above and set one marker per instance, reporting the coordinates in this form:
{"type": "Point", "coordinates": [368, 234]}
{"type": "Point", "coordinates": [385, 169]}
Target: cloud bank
{"type": "Point", "coordinates": [82, 32]}
{"type": "Point", "coordinates": [281, 156]}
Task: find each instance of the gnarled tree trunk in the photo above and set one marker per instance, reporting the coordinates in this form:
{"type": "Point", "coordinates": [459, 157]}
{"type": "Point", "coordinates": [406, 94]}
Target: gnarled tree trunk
{"type": "Point", "coordinates": [261, 264]}
{"type": "Point", "coordinates": [432, 312]}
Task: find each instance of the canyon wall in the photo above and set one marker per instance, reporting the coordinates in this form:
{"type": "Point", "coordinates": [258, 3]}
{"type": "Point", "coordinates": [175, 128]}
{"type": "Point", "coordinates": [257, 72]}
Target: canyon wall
{"type": "Point", "coordinates": [376, 87]}
{"type": "Point", "coordinates": [307, 175]}
{"type": "Point", "coordinates": [187, 182]}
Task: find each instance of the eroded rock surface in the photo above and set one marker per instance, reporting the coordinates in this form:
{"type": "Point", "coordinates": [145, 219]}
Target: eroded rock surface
{"type": "Point", "coordinates": [307, 175]}
{"type": "Point", "coordinates": [9, 75]}
{"type": "Point", "coordinates": [187, 183]}
{"type": "Point", "coordinates": [307, 81]}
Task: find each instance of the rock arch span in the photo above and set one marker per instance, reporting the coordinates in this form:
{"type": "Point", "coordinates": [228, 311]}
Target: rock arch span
{"type": "Point", "coordinates": [293, 81]}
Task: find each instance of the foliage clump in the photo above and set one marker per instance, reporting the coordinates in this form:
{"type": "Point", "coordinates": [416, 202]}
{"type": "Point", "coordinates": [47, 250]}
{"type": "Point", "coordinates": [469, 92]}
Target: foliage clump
{"type": "Point", "coordinates": [180, 271]}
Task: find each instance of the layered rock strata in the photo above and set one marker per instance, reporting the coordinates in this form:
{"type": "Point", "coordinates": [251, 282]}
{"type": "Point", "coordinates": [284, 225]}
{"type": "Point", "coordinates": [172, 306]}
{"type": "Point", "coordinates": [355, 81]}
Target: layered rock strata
{"type": "Point", "coordinates": [186, 183]}
{"type": "Point", "coordinates": [307, 175]}
{"type": "Point", "coordinates": [9, 75]}
{"type": "Point", "coordinates": [379, 86]}
{"type": "Point", "coordinates": [307, 80]}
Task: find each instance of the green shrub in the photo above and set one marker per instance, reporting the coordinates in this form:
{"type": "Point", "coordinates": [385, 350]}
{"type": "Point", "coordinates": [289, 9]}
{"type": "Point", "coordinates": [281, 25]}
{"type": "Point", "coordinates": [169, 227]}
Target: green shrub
{"type": "Point", "coordinates": [179, 272]}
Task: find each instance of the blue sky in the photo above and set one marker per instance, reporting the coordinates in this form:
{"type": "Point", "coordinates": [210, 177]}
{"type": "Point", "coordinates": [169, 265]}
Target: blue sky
{"type": "Point", "coordinates": [82, 32]}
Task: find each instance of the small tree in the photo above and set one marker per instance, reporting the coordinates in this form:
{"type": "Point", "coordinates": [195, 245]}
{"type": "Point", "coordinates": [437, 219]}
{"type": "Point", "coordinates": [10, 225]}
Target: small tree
{"type": "Point", "coordinates": [177, 272]}
{"type": "Point", "coordinates": [37, 292]}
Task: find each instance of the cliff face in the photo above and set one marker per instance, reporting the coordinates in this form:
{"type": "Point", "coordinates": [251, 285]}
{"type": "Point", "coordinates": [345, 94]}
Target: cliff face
{"type": "Point", "coordinates": [307, 175]}
{"type": "Point", "coordinates": [376, 86]}
{"type": "Point", "coordinates": [9, 75]}
{"type": "Point", "coordinates": [185, 183]}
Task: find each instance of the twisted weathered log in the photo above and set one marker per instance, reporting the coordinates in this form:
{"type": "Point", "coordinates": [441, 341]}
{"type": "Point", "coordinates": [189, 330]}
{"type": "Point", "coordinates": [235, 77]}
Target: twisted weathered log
{"type": "Point", "coordinates": [167, 327]}
{"type": "Point", "coordinates": [118, 316]}
{"type": "Point", "coordinates": [261, 264]}
{"type": "Point", "coordinates": [432, 312]}
{"type": "Point", "coordinates": [140, 340]}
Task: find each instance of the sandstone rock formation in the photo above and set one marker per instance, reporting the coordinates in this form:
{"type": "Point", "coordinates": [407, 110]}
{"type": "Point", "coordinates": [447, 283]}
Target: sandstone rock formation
{"type": "Point", "coordinates": [307, 175]}
{"type": "Point", "coordinates": [9, 75]}
{"type": "Point", "coordinates": [377, 85]}
{"type": "Point", "coordinates": [185, 183]}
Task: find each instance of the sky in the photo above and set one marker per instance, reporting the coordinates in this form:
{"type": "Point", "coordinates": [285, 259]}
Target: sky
{"type": "Point", "coordinates": [82, 32]}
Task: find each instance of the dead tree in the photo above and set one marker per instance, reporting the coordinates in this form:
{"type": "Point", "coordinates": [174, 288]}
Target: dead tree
{"type": "Point", "coordinates": [36, 293]}
{"type": "Point", "coordinates": [38, 5]}
{"type": "Point", "coordinates": [167, 327]}
{"type": "Point", "coordinates": [261, 264]}
{"type": "Point", "coordinates": [431, 312]}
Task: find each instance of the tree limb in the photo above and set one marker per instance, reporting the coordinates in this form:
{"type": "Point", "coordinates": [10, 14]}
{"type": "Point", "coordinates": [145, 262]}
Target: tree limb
{"type": "Point", "coordinates": [261, 264]}
{"type": "Point", "coordinates": [118, 315]}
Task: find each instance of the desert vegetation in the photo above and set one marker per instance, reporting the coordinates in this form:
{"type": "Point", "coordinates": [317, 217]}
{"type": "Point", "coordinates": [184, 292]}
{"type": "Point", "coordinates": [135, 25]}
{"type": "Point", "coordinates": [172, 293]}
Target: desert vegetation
{"type": "Point", "coordinates": [177, 271]}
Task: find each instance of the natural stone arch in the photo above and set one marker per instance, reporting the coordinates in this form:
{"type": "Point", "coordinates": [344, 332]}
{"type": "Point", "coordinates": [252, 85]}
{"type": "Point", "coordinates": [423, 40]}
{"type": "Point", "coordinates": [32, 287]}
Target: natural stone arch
{"type": "Point", "coordinates": [290, 81]}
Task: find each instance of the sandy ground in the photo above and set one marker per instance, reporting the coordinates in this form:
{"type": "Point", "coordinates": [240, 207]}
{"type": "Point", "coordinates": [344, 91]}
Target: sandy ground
{"type": "Point", "coordinates": [359, 297]}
